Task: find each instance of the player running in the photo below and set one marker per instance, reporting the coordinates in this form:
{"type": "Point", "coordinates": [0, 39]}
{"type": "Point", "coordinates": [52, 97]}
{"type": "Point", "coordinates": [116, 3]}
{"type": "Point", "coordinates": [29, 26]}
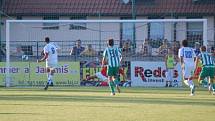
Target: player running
{"type": "Point", "coordinates": [113, 56]}
{"type": "Point", "coordinates": [186, 57]}
{"type": "Point", "coordinates": [51, 57]}
{"type": "Point", "coordinates": [208, 68]}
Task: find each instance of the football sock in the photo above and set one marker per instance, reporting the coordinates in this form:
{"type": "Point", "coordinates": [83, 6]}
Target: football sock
{"type": "Point", "coordinates": [111, 85]}
{"type": "Point", "coordinates": [209, 87]}
{"type": "Point", "coordinates": [49, 78]}
{"type": "Point", "coordinates": [191, 84]}
{"type": "Point", "coordinates": [213, 87]}
{"type": "Point", "coordinates": [117, 81]}
{"type": "Point", "coordinates": [49, 82]}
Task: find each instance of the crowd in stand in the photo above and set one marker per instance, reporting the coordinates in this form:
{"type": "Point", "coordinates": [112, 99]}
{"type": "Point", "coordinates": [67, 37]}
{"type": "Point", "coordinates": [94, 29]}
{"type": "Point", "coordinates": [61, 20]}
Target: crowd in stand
{"type": "Point", "coordinates": [145, 49]}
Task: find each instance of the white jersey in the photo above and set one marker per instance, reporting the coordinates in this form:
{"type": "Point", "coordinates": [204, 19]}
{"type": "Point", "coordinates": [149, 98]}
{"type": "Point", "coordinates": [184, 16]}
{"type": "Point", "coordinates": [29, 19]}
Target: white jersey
{"type": "Point", "coordinates": [51, 49]}
{"type": "Point", "coordinates": [188, 55]}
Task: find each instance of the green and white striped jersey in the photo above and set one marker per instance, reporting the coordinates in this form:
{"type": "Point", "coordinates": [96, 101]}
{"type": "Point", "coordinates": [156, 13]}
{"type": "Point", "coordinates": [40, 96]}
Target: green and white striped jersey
{"type": "Point", "coordinates": [206, 59]}
{"type": "Point", "coordinates": [113, 55]}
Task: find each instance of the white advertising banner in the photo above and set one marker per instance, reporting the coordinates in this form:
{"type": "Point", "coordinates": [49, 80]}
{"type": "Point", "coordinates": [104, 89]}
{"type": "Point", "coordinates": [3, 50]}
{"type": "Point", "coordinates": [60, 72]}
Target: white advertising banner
{"type": "Point", "coordinates": [153, 74]}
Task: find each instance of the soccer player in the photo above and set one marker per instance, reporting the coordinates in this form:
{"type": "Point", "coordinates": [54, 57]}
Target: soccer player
{"type": "Point", "coordinates": [51, 57]}
{"type": "Point", "coordinates": [170, 63]}
{"type": "Point", "coordinates": [197, 48]}
{"type": "Point", "coordinates": [102, 75]}
{"type": "Point", "coordinates": [186, 56]}
{"type": "Point", "coordinates": [112, 55]}
{"type": "Point", "coordinates": [208, 68]}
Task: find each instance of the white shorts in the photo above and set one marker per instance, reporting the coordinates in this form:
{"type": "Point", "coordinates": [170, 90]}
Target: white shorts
{"type": "Point", "coordinates": [188, 71]}
{"type": "Point", "coordinates": [101, 77]}
{"type": "Point", "coordinates": [51, 65]}
{"type": "Point", "coordinates": [169, 74]}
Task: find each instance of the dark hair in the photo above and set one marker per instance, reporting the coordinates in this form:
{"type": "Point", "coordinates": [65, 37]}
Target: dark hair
{"type": "Point", "coordinates": [203, 48]}
{"type": "Point", "coordinates": [184, 43]}
{"type": "Point", "coordinates": [78, 40]}
{"type": "Point", "coordinates": [47, 40]}
{"type": "Point", "coordinates": [212, 48]}
{"type": "Point", "coordinates": [110, 42]}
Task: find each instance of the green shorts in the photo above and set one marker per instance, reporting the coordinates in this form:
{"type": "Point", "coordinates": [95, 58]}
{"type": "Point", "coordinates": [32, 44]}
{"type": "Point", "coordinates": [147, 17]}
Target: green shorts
{"type": "Point", "coordinates": [207, 71]}
{"type": "Point", "coordinates": [112, 71]}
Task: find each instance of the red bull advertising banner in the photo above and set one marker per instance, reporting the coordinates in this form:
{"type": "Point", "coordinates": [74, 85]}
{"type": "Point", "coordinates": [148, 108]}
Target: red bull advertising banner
{"type": "Point", "coordinates": [153, 74]}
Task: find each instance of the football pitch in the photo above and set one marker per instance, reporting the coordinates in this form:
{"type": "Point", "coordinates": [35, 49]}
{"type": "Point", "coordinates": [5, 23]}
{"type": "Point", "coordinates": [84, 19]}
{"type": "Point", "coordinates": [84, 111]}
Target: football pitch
{"type": "Point", "coordinates": [96, 104]}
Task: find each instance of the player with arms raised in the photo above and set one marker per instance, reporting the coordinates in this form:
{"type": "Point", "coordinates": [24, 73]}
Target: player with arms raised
{"type": "Point", "coordinates": [51, 57]}
{"type": "Point", "coordinates": [112, 55]}
{"type": "Point", "coordinates": [186, 56]}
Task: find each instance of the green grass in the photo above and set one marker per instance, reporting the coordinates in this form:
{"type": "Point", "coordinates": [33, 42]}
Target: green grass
{"type": "Point", "coordinates": [95, 104]}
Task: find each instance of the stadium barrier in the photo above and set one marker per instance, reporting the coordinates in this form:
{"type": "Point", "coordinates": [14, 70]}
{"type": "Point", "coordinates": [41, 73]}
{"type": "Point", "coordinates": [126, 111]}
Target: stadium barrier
{"type": "Point", "coordinates": [34, 74]}
{"type": "Point", "coordinates": [153, 74]}
{"type": "Point", "coordinates": [24, 55]}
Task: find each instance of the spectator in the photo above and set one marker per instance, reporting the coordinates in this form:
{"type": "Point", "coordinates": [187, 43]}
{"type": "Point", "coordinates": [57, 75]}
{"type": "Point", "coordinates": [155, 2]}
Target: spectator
{"type": "Point", "coordinates": [2, 52]}
{"type": "Point", "coordinates": [146, 48]}
{"type": "Point", "coordinates": [126, 49]}
{"type": "Point", "coordinates": [163, 49]}
{"type": "Point", "coordinates": [197, 48]}
{"type": "Point", "coordinates": [19, 51]}
{"type": "Point", "coordinates": [77, 49]}
{"type": "Point", "coordinates": [176, 47]}
{"type": "Point", "coordinates": [212, 51]}
{"type": "Point", "coordinates": [89, 51]}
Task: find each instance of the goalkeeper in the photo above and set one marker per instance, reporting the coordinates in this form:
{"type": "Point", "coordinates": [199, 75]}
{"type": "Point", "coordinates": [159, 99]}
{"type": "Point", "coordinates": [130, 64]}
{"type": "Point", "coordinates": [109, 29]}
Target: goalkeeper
{"type": "Point", "coordinates": [102, 75]}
